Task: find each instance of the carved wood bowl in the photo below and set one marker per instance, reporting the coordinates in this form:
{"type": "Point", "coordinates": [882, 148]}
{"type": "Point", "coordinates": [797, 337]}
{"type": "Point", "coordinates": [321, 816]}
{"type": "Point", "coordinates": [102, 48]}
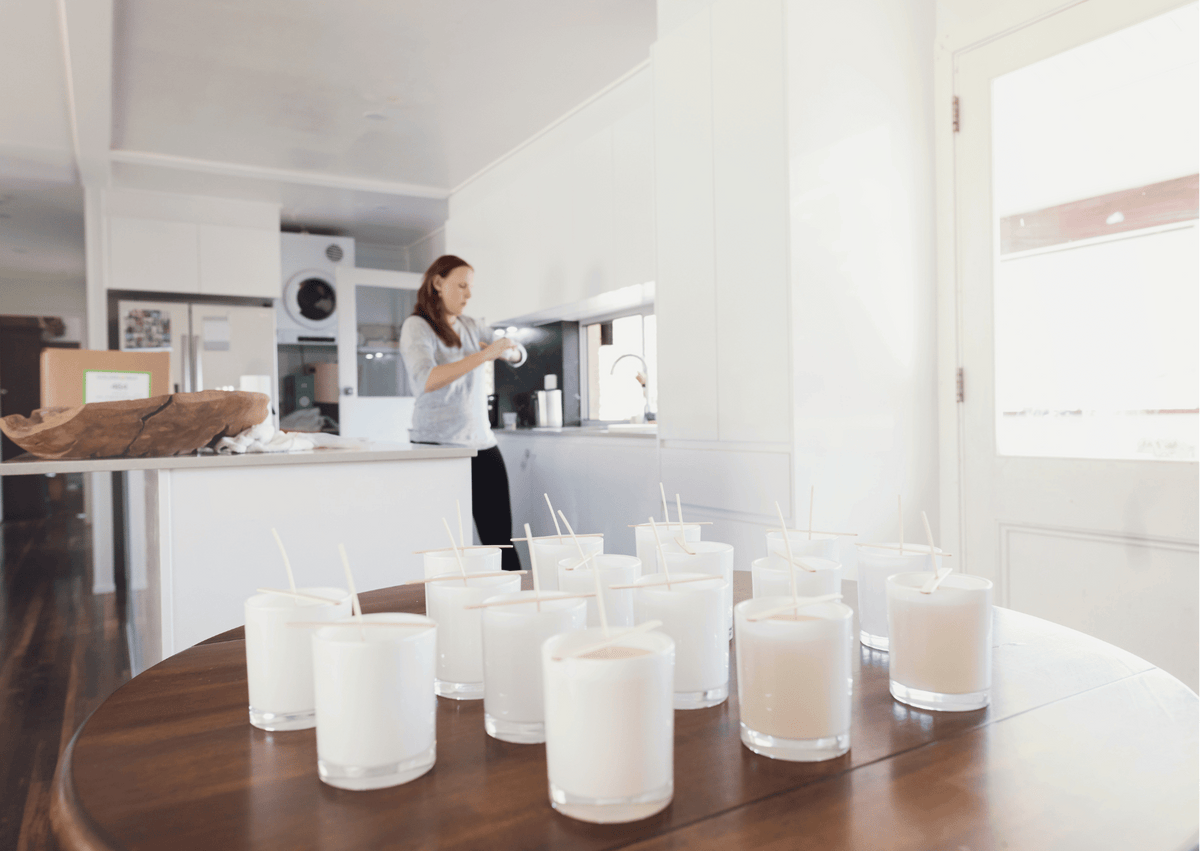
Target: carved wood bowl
{"type": "Point", "coordinates": [137, 428]}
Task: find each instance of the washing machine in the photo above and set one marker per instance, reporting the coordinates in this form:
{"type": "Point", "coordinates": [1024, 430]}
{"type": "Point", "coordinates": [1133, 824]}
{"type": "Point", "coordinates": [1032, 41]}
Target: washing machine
{"type": "Point", "coordinates": [307, 312]}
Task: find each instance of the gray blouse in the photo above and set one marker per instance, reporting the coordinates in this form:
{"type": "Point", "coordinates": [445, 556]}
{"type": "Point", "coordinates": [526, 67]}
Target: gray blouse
{"type": "Point", "coordinates": [457, 413]}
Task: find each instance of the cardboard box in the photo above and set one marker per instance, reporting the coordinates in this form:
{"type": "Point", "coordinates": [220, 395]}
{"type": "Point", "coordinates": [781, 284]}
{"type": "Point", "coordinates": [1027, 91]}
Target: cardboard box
{"type": "Point", "coordinates": [325, 387]}
{"type": "Point", "coordinates": [75, 376]}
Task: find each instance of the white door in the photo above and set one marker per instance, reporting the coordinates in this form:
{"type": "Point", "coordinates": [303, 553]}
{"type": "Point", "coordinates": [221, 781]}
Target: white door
{"type": "Point", "coordinates": [1076, 242]}
{"type": "Point", "coordinates": [376, 402]}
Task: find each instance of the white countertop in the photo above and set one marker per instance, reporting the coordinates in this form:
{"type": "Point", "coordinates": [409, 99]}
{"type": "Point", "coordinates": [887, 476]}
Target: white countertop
{"type": "Point", "coordinates": [28, 465]}
{"type": "Point", "coordinates": [622, 430]}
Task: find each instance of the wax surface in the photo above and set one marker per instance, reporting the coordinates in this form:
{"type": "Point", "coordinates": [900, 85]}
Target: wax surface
{"type": "Point", "coordinates": [794, 674]}
{"type": "Point", "coordinates": [940, 642]}
{"type": "Point", "coordinates": [279, 669]}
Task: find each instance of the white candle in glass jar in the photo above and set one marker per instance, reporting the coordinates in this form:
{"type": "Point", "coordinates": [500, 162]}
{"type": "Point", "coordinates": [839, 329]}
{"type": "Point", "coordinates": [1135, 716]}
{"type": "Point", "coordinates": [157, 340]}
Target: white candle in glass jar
{"type": "Point", "coordinates": [645, 549]}
{"type": "Point", "coordinates": [693, 614]}
{"type": "Point", "coordinates": [459, 635]}
{"type": "Point", "coordinates": [279, 669]}
{"type": "Point", "coordinates": [374, 700]}
{"type": "Point", "coordinates": [941, 643]}
{"type": "Point", "coordinates": [820, 544]}
{"type": "Point", "coordinates": [614, 570]}
{"type": "Point", "coordinates": [769, 577]}
{"type": "Point", "coordinates": [513, 635]}
{"type": "Point", "coordinates": [440, 562]}
{"type": "Point", "coordinates": [610, 725]}
{"type": "Point", "coordinates": [794, 679]}
{"type": "Point", "coordinates": [711, 557]}
{"type": "Point", "coordinates": [550, 552]}
{"type": "Point", "coordinates": [875, 565]}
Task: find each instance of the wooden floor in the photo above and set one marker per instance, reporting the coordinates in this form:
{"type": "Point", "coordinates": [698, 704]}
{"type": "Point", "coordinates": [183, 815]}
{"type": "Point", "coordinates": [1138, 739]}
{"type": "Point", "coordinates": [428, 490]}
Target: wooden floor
{"type": "Point", "coordinates": [62, 652]}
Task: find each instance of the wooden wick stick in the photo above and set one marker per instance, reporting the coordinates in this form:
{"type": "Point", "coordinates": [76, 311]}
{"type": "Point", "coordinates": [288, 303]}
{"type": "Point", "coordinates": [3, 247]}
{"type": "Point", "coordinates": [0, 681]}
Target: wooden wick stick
{"type": "Point", "coordinates": [900, 511]}
{"type": "Point", "coordinates": [682, 536]}
{"type": "Point", "coordinates": [355, 608]}
{"type": "Point", "coordinates": [458, 510]}
{"type": "Point", "coordinates": [799, 562]}
{"type": "Point", "coordinates": [799, 602]}
{"type": "Point", "coordinates": [553, 517]}
{"type": "Point", "coordinates": [932, 548]}
{"type": "Point", "coordinates": [287, 562]}
{"type": "Point", "coordinates": [552, 537]}
{"type": "Point", "coordinates": [537, 600]}
{"type": "Point", "coordinates": [456, 577]}
{"type": "Point", "coordinates": [609, 642]}
{"type": "Point", "coordinates": [934, 581]}
{"type": "Point", "coordinates": [599, 595]}
{"type": "Point", "coordinates": [661, 555]}
{"type": "Point", "coordinates": [787, 546]}
{"type": "Point", "coordinates": [654, 584]}
{"type": "Point", "coordinates": [578, 545]}
{"type": "Point", "coordinates": [298, 595]}
{"type": "Point", "coordinates": [537, 584]}
{"type": "Point", "coordinates": [666, 514]}
{"type": "Point", "coordinates": [471, 547]}
{"type": "Point", "coordinates": [912, 549]}
{"type": "Point", "coordinates": [361, 624]}
{"type": "Point", "coordinates": [811, 491]}
{"type": "Point", "coordinates": [457, 555]}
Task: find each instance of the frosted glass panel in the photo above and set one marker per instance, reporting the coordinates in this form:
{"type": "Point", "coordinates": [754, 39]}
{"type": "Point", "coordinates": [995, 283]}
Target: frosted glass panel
{"type": "Point", "coordinates": [379, 312]}
{"type": "Point", "coordinates": [1096, 281]}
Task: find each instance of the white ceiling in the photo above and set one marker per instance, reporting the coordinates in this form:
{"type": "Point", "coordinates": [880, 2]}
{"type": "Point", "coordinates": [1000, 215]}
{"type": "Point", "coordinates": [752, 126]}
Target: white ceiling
{"type": "Point", "coordinates": [357, 117]}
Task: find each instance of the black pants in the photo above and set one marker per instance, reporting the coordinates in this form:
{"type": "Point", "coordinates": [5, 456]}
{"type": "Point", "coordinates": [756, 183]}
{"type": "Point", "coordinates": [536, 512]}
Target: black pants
{"type": "Point", "coordinates": [490, 504]}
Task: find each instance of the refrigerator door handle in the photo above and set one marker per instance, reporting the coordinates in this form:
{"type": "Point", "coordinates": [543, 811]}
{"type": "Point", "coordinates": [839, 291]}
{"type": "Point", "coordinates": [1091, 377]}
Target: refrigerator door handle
{"type": "Point", "coordinates": [185, 356]}
{"type": "Point", "coordinates": [197, 373]}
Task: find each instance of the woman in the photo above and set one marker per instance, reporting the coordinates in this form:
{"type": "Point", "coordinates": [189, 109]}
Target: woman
{"type": "Point", "coordinates": [442, 351]}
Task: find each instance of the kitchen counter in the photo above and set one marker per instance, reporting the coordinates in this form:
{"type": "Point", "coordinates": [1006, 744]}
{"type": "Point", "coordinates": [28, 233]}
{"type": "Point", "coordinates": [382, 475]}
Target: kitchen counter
{"type": "Point", "coordinates": [613, 430]}
{"type": "Point", "coordinates": [198, 536]}
{"type": "Point", "coordinates": [29, 465]}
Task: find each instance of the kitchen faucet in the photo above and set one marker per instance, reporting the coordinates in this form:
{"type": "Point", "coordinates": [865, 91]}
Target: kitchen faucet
{"type": "Point", "coordinates": [643, 378]}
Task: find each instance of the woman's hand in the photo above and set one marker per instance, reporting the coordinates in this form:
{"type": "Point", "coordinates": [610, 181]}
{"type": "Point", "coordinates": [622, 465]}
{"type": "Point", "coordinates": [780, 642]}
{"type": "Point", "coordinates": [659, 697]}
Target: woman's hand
{"type": "Point", "coordinates": [497, 349]}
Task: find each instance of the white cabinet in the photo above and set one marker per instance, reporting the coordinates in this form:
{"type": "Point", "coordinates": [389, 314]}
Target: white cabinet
{"type": "Point", "coordinates": [153, 255]}
{"type": "Point", "coordinates": [238, 261]}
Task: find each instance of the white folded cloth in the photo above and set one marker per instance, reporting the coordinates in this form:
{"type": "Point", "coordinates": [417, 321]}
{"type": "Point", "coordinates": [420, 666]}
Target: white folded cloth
{"type": "Point", "coordinates": [264, 438]}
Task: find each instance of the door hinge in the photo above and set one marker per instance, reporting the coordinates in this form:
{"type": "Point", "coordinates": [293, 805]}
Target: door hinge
{"type": "Point", "coordinates": [958, 386]}
{"type": "Point", "coordinates": [956, 121]}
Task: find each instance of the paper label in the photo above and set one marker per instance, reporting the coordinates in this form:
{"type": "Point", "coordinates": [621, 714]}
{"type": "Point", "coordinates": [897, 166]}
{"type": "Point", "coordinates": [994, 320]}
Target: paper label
{"type": "Point", "coordinates": [216, 333]}
{"type": "Point", "coordinates": [113, 386]}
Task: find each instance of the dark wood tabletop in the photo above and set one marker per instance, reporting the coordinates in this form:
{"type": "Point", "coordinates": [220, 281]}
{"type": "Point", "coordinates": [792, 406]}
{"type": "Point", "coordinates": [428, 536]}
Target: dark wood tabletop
{"type": "Point", "coordinates": [1083, 746]}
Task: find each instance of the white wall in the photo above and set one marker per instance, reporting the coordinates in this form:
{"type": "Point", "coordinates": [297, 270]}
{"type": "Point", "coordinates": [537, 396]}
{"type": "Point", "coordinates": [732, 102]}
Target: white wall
{"type": "Point", "coordinates": [20, 297]}
{"type": "Point", "coordinates": [860, 148]}
{"type": "Point", "coordinates": [568, 215]}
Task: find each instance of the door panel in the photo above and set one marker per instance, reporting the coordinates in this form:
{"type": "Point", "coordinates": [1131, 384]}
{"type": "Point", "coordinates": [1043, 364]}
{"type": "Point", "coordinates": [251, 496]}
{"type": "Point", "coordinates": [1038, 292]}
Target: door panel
{"type": "Point", "coordinates": [1075, 241]}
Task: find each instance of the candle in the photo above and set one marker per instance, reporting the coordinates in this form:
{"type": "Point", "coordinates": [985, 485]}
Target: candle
{"type": "Point", "coordinates": [614, 570]}
{"type": "Point", "coordinates": [375, 703]}
{"type": "Point", "coordinates": [769, 577]}
{"type": "Point", "coordinates": [459, 635]}
{"type": "Point", "coordinates": [711, 557]}
{"type": "Point", "coordinates": [643, 539]}
{"type": "Point", "coordinates": [550, 552]}
{"type": "Point", "coordinates": [279, 669]}
{"type": "Point", "coordinates": [441, 562]}
{"type": "Point", "coordinates": [821, 544]}
{"type": "Point", "coordinates": [610, 725]}
{"type": "Point", "coordinates": [512, 665]}
{"type": "Point", "coordinates": [693, 614]}
{"type": "Point", "coordinates": [941, 643]}
{"type": "Point", "coordinates": [794, 679]}
{"type": "Point", "coordinates": [874, 567]}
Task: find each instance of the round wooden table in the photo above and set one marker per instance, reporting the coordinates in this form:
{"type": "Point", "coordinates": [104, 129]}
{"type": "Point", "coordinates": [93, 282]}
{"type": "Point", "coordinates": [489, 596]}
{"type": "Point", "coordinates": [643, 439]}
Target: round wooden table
{"type": "Point", "coordinates": [1083, 746]}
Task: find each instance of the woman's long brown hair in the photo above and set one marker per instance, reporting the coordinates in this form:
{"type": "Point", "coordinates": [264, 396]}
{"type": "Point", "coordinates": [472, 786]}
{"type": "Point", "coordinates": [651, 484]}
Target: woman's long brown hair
{"type": "Point", "coordinates": [429, 302]}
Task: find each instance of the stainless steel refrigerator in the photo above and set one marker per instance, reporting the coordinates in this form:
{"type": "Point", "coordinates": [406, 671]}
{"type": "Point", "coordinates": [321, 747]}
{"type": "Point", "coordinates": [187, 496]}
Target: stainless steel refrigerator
{"type": "Point", "coordinates": [214, 344]}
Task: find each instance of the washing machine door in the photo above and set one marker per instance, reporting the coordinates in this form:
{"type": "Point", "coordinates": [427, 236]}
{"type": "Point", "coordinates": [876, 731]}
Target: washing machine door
{"type": "Point", "coordinates": [310, 299]}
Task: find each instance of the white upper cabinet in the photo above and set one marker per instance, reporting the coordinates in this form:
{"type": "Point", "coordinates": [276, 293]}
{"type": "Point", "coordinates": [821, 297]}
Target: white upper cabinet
{"type": "Point", "coordinates": [153, 255]}
{"type": "Point", "coordinates": [159, 242]}
{"type": "Point", "coordinates": [239, 261]}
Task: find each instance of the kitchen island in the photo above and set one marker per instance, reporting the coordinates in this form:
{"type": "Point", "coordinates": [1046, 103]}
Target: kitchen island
{"type": "Point", "coordinates": [198, 528]}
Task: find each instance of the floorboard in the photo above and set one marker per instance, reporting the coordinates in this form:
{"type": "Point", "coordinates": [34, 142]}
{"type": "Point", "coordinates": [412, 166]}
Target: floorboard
{"type": "Point", "coordinates": [62, 652]}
